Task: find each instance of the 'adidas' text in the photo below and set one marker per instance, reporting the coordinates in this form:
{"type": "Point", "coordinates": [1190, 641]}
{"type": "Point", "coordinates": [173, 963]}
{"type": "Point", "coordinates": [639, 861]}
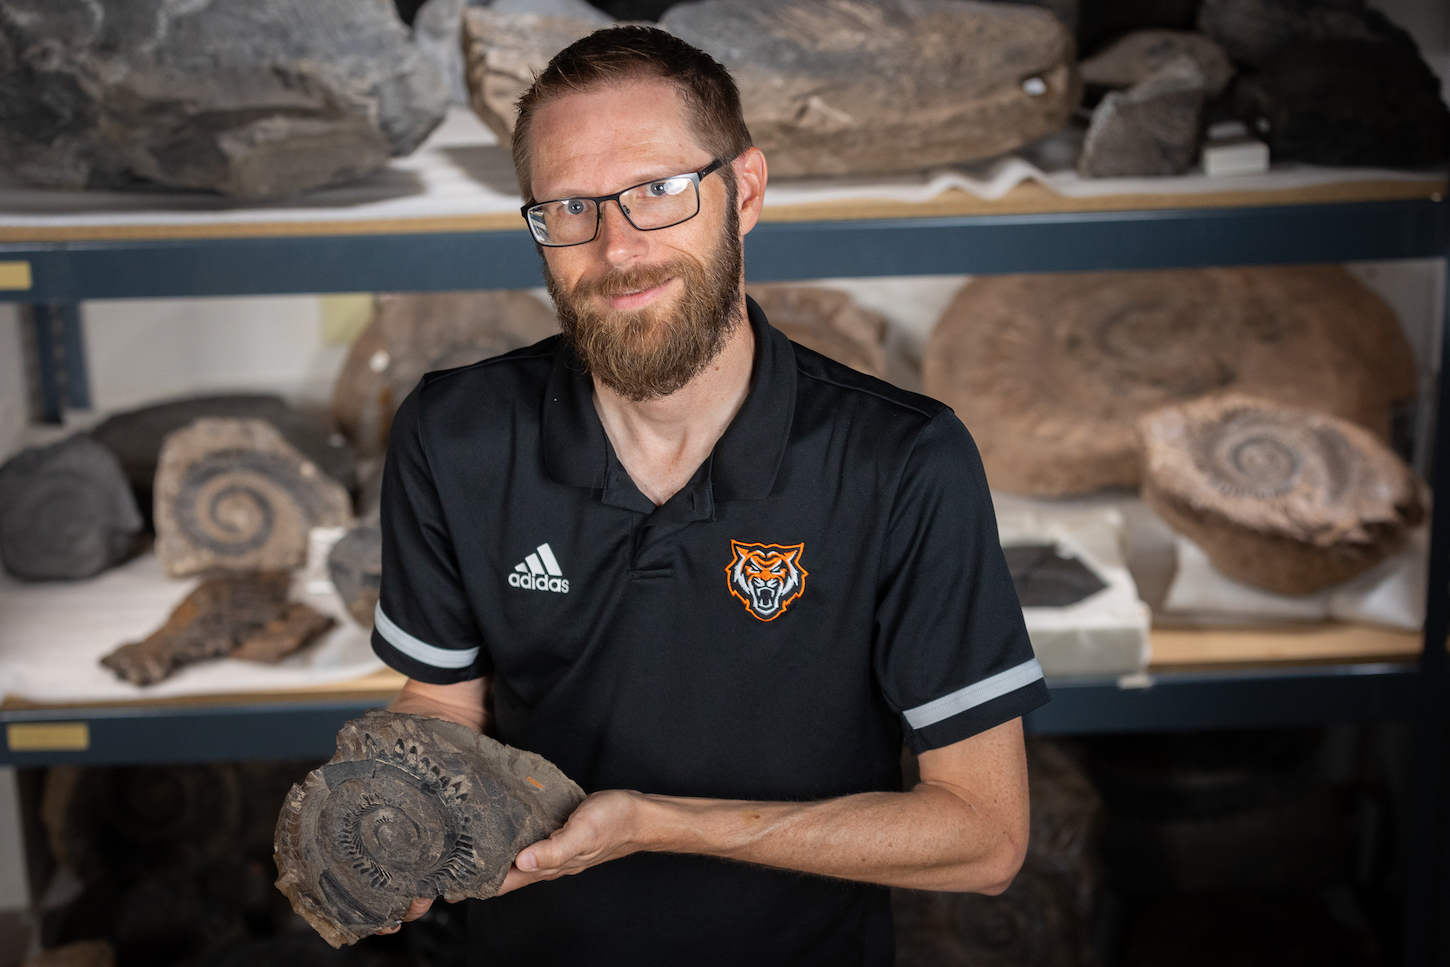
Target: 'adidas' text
{"type": "Point", "coordinates": [539, 572]}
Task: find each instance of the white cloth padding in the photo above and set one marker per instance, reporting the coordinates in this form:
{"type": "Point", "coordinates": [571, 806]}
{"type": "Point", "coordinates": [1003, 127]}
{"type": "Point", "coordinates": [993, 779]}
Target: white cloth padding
{"type": "Point", "coordinates": [1105, 633]}
{"type": "Point", "coordinates": [1392, 593]}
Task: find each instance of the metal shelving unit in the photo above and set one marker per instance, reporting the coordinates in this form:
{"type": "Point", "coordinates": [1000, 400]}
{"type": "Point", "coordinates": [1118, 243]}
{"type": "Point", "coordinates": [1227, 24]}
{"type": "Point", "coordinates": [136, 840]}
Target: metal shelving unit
{"type": "Point", "coordinates": [64, 273]}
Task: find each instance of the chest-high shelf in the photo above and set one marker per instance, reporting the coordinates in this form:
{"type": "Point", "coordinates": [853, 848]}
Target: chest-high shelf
{"type": "Point", "coordinates": [65, 268]}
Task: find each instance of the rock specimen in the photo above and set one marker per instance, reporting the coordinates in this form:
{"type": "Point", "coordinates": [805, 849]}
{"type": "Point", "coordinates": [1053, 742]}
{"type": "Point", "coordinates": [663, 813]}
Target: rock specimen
{"type": "Point", "coordinates": [135, 436]}
{"type": "Point", "coordinates": [245, 616]}
{"type": "Point", "coordinates": [355, 565]}
{"type": "Point", "coordinates": [417, 333]}
{"type": "Point", "coordinates": [1150, 129]}
{"type": "Point", "coordinates": [503, 49]}
{"type": "Point", "coordinates": [1139, 55]}
{"type": "Point", "coordinates": [65, 511]}
{"type": "Point", "coordinates": [832, 324]}
{"type": "Point", "coordinates": [1044, 577]}
{"type": "Point", "coordinates": [831, 87]}
{"type": "Point", "coordinates": [410, 807]}
{"type": "Point", "coordinates": [1348, 102]}
{"type": "Point", "coordinates": [1052, 372]}
{"type": "Point", "coordinates": [1282, 498]}
{"type": "Point", "coordinates": [233, 494]}
{"type": "Point", "coordinates": [251, 98]}
{"type": "Point", "coordinates": [1255, 32]}
{"type": "Point", "coordinates": [1043, 918]}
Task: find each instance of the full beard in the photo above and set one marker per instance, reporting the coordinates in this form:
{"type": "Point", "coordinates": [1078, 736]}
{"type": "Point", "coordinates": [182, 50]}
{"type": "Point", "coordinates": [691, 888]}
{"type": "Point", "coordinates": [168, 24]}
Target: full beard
{"type": "Point", "coordinates": [652, 352]}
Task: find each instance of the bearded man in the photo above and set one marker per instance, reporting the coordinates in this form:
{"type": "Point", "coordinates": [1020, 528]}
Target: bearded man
{"type": "Point", "coordinates": [715, 577]}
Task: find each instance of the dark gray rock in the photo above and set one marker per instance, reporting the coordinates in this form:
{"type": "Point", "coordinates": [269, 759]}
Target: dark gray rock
{"type": "Point", "coordinates": [65, 511]}
{"type": "Point", "coordinates": [1253, 32]}
{"type": "Point", "coordinates": [893, 85]}
{"type": "Point", "coordinates": [355, 565]}
{"type": "Point", "coordinates": [1348, 102]}
{"type": "Point", "coordinates": [1150, 129]}
{"type": "Point", "coordinates": [250, 98]}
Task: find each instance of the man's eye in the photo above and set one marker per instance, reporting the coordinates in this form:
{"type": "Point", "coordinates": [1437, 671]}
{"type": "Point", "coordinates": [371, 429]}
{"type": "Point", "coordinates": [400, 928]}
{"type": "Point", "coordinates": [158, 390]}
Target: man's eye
{"type": "Point", "coordinates": [661, 189]}
{"type": "Point", "coordinates": [574, 206]}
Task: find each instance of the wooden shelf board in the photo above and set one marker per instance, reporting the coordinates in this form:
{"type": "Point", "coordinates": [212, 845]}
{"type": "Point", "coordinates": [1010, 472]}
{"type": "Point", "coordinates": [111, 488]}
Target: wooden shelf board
{"type": "Point", "coordinates": [1183, 649]}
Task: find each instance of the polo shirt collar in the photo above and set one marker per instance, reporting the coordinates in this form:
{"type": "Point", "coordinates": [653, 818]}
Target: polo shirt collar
{"type": "Point", "coordinates": [745, 461]}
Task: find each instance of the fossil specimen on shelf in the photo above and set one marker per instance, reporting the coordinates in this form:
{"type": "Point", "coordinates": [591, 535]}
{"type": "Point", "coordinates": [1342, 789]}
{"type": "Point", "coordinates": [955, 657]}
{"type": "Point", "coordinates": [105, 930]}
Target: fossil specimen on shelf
{"type": "Point", "coordinates": [410, 807]}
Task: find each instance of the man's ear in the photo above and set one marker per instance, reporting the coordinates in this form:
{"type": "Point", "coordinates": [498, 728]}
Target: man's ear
{"type": "Point", "coordinates": [751, 174]}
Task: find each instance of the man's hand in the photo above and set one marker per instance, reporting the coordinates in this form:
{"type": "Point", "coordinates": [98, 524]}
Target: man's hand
{"type": "Point", "coordinates": [603, 827]}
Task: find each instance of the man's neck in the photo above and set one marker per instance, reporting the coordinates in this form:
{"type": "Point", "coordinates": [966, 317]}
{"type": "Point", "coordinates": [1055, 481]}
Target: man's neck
{"type": "Point", "coordinates": [662, 442]}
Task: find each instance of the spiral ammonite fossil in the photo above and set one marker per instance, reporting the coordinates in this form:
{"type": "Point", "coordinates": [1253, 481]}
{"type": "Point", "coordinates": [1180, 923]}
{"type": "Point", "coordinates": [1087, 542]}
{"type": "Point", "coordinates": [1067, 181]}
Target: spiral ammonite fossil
{"type": "Point", "coordinates": [1051, 372]}
{"type": "Point", "coordinates": [410, 807]}
{"type": "Point", "coordinates": [235, 494]}
{"type": "Point", "coordinates": [1285, 499]}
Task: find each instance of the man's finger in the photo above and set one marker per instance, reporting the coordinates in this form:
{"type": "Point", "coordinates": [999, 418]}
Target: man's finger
{"type": "Point", "coordinates": [417, 908]}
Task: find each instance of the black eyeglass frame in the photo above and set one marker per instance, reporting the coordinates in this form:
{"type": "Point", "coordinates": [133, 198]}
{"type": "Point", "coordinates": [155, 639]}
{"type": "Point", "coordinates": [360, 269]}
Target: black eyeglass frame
{"type": "Point", "coordinates": [599, 200]}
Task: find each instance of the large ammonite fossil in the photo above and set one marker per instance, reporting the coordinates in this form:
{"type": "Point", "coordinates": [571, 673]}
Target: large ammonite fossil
{"type": "Point", "coordinates": [1051, 372]}
{"type": "Point", "coordinates": [1282, 498]}
{"type": "Point", "coordinates": [832, 324]}
{"type": "Point", "coordinates": [410, 807]}
{"type": "Point", "coordinates": [235, 495]}
{"type": "Point", "coordinates": [417, 333]}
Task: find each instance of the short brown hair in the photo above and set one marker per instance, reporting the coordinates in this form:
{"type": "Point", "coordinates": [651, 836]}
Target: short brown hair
{"type": "Point", "coordinates": [618, 54]}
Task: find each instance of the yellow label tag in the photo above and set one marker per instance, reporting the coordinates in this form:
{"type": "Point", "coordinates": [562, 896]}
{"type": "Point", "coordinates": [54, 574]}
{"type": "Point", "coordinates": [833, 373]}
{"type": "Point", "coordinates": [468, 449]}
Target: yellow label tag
{"type": "Point", "coordinates": [48, 736]}
{"type": "Point", "coordinates": [15, 276]}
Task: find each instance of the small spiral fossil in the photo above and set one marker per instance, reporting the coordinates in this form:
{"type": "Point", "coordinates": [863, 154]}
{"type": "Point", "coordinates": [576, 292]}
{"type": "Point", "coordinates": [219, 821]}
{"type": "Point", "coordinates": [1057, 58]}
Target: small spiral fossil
{"type": "Point", "coordinates": [1261, 454]}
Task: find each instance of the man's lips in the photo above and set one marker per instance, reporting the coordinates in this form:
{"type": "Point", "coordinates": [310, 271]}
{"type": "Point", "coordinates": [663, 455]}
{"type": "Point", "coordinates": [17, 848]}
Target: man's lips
{"type": "Point", "coordinates": [637, 299]}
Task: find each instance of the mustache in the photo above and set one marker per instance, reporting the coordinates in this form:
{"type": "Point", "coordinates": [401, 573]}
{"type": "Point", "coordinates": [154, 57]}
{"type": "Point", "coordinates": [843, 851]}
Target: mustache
{"type": "Point", "coordinates": [635, 279]}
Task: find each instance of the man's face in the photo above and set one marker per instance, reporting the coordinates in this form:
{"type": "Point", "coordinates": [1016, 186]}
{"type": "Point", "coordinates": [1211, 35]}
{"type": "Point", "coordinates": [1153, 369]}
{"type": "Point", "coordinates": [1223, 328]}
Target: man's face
{"type": "Point", "coordinates": [645, 311]}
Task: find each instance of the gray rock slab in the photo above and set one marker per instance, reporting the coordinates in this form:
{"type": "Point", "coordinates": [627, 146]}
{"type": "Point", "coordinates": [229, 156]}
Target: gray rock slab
{"type": "Point", "coordinates": [1150, 129]}
{"type": "Point", "coordinates": [1253, 32]}
{"type": "Point", "coordinates": [1136, 57]}
{"type": "Point", "coordinates": [410, 807]}
{"type": "Point", "coordinates": [66, 511]}
{"type": "Point", "coordinates": [251, 98]}
{"type": "Point", "coordinates": [841, 88]}
{"type": "Point", "coordinates": [355, 565]}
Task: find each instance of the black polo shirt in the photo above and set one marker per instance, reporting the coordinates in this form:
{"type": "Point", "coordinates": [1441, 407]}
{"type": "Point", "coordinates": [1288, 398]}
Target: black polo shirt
{"type": "Point", "coordinates": [829, 583]}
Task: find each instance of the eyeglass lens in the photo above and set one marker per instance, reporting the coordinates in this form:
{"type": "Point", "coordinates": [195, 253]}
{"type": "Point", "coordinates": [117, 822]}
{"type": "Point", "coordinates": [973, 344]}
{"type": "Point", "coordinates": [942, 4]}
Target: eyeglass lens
{"type": "Point", "coordinates": [655, 204]}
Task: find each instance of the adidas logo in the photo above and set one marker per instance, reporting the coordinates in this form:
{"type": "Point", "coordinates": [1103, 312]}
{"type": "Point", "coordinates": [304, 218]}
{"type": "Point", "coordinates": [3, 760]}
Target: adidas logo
{"type": "Point", "coordinates": [539, 572]}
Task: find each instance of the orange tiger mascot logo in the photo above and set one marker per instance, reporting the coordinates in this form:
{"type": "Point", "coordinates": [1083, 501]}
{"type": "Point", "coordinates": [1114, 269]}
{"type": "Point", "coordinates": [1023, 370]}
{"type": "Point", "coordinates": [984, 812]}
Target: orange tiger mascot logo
{"type": "Point", "coordinates": [766, 577]}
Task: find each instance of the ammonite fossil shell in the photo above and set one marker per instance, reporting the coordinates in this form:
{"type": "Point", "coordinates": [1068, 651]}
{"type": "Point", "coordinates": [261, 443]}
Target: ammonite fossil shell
{"type": "Point", "coordinates": [1281, 498]}
{"type": "Point", "coordinates": [410, 807]}
{"type": "Point", "coordinates": [235, 495]}
{"type": "Point", "coordinates": [1051, 372]}
{"type": "Point", "coordinates": [832, 324]}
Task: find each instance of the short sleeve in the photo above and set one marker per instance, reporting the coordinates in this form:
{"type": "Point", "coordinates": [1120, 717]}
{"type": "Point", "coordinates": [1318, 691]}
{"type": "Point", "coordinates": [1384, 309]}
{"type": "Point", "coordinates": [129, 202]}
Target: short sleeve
{"type": "Point", "coordinates": [423, 625]}
{"type": "Point", "coordinates": [952, 653]}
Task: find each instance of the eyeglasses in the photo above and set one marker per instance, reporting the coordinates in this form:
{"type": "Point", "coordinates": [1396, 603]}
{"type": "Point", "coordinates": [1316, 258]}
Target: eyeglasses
{"type": "Point", "coordinates": [649, 207]}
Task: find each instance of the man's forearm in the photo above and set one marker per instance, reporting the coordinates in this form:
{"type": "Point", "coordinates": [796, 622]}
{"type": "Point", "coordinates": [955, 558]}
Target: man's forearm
{"type": "Point", "coordinates": [462, 703]}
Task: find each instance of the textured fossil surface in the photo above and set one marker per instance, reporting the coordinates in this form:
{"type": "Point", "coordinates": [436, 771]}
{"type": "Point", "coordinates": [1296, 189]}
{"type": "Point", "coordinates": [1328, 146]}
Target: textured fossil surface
{"type": "Point", "coordinates": [250, 98]}
{"type": "Point", "coordinates": [832, 324]}
{"type": "Point", "coordinates": [235, 495]}
{"type": "Point", "coordinates": [1051, 372]}
{"type": "Point", "coordinates": [239, 616]}
{"type": "Point", "coordinates": [410, 807]}
{"type": "Point", "coordinates": [1282, 498]}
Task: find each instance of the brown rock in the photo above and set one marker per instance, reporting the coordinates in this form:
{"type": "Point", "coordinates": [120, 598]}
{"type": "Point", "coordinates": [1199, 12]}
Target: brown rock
{"type": "Point", "coordinates": [417, 333]}
{"type": "Point", "coordinates": [1052, 372]}
{"type": "Point", "coordinates": [410, 807]}
{"type": "Point", "coordinates": [242, 616]}
{"type": "Point", "coordinates": [1282, 498]}
{"type": "Point", "coordinates": [235, 495]}
{"type": "Point", "coordinates": [833, 87]}
{"type": "Point", "coordinates": [503, 51]}
{"type": "Point", "coordinates": [1139, 55]}
{"type": "Point", "coordinates": [82, 953]}
{"type": "Point", "coordinates": [830, 323]}
{"type": "Point", "coordinates": [1150, 129]}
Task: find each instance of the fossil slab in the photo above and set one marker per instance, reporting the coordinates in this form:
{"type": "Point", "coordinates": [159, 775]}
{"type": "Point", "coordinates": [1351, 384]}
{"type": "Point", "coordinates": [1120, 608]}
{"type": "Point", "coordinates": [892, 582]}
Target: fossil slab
{"type": "Point", "coordinates": [1149, 129]}
{"type": "Point", "coordinates": [355, 565]}
{"type": "Point", "coordinates": [410, 807]}
{"type": "Point", "coordinates": [235, 495]}
{"type": "Point", "coordinates": [1282, 498]}
{"type": "Point", "coordinates": [1255, 32]}
{"type": "Point", "coordinates": [1137, 56]}
{"type": "Point", "coordinates": [832, 324]}
{"type": "Point", "coordinates": [240, 616]}
{"type": "Point", "coordinates": [135, 436]}
{"type": "Point", "coordinates": [1051, 372]}
{"type": "Point", "coordinates": [1046, 578]}
{"type": "Point", "coordinates": [65, 511]}
{"type": "Point", "coordinates": [250, 98]}
{"type": "Point", "coordinates": [833, 87]}
{"type": "Point", "coordinates": [417, 333]}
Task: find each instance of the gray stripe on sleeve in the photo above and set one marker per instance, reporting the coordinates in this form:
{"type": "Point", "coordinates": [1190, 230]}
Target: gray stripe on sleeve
{"type": "Point", "coordinates": [419, 650]}
{"type": "Point", "coordinates": [973, 695]}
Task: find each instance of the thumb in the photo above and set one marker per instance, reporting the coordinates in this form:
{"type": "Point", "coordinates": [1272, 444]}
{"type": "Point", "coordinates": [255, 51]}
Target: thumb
{"type": "Point", "coordinates": [546, 854]}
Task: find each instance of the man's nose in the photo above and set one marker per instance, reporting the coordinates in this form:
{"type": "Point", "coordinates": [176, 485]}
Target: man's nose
{"type": "Point", "coordinates": [622, 241]}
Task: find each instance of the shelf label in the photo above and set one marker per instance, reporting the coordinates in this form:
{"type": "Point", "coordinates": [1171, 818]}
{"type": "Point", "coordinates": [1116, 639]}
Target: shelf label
{"type": "Point", "coordinates": [48, 736]}
{"type": "Point", "coordinates": [15, 276]}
